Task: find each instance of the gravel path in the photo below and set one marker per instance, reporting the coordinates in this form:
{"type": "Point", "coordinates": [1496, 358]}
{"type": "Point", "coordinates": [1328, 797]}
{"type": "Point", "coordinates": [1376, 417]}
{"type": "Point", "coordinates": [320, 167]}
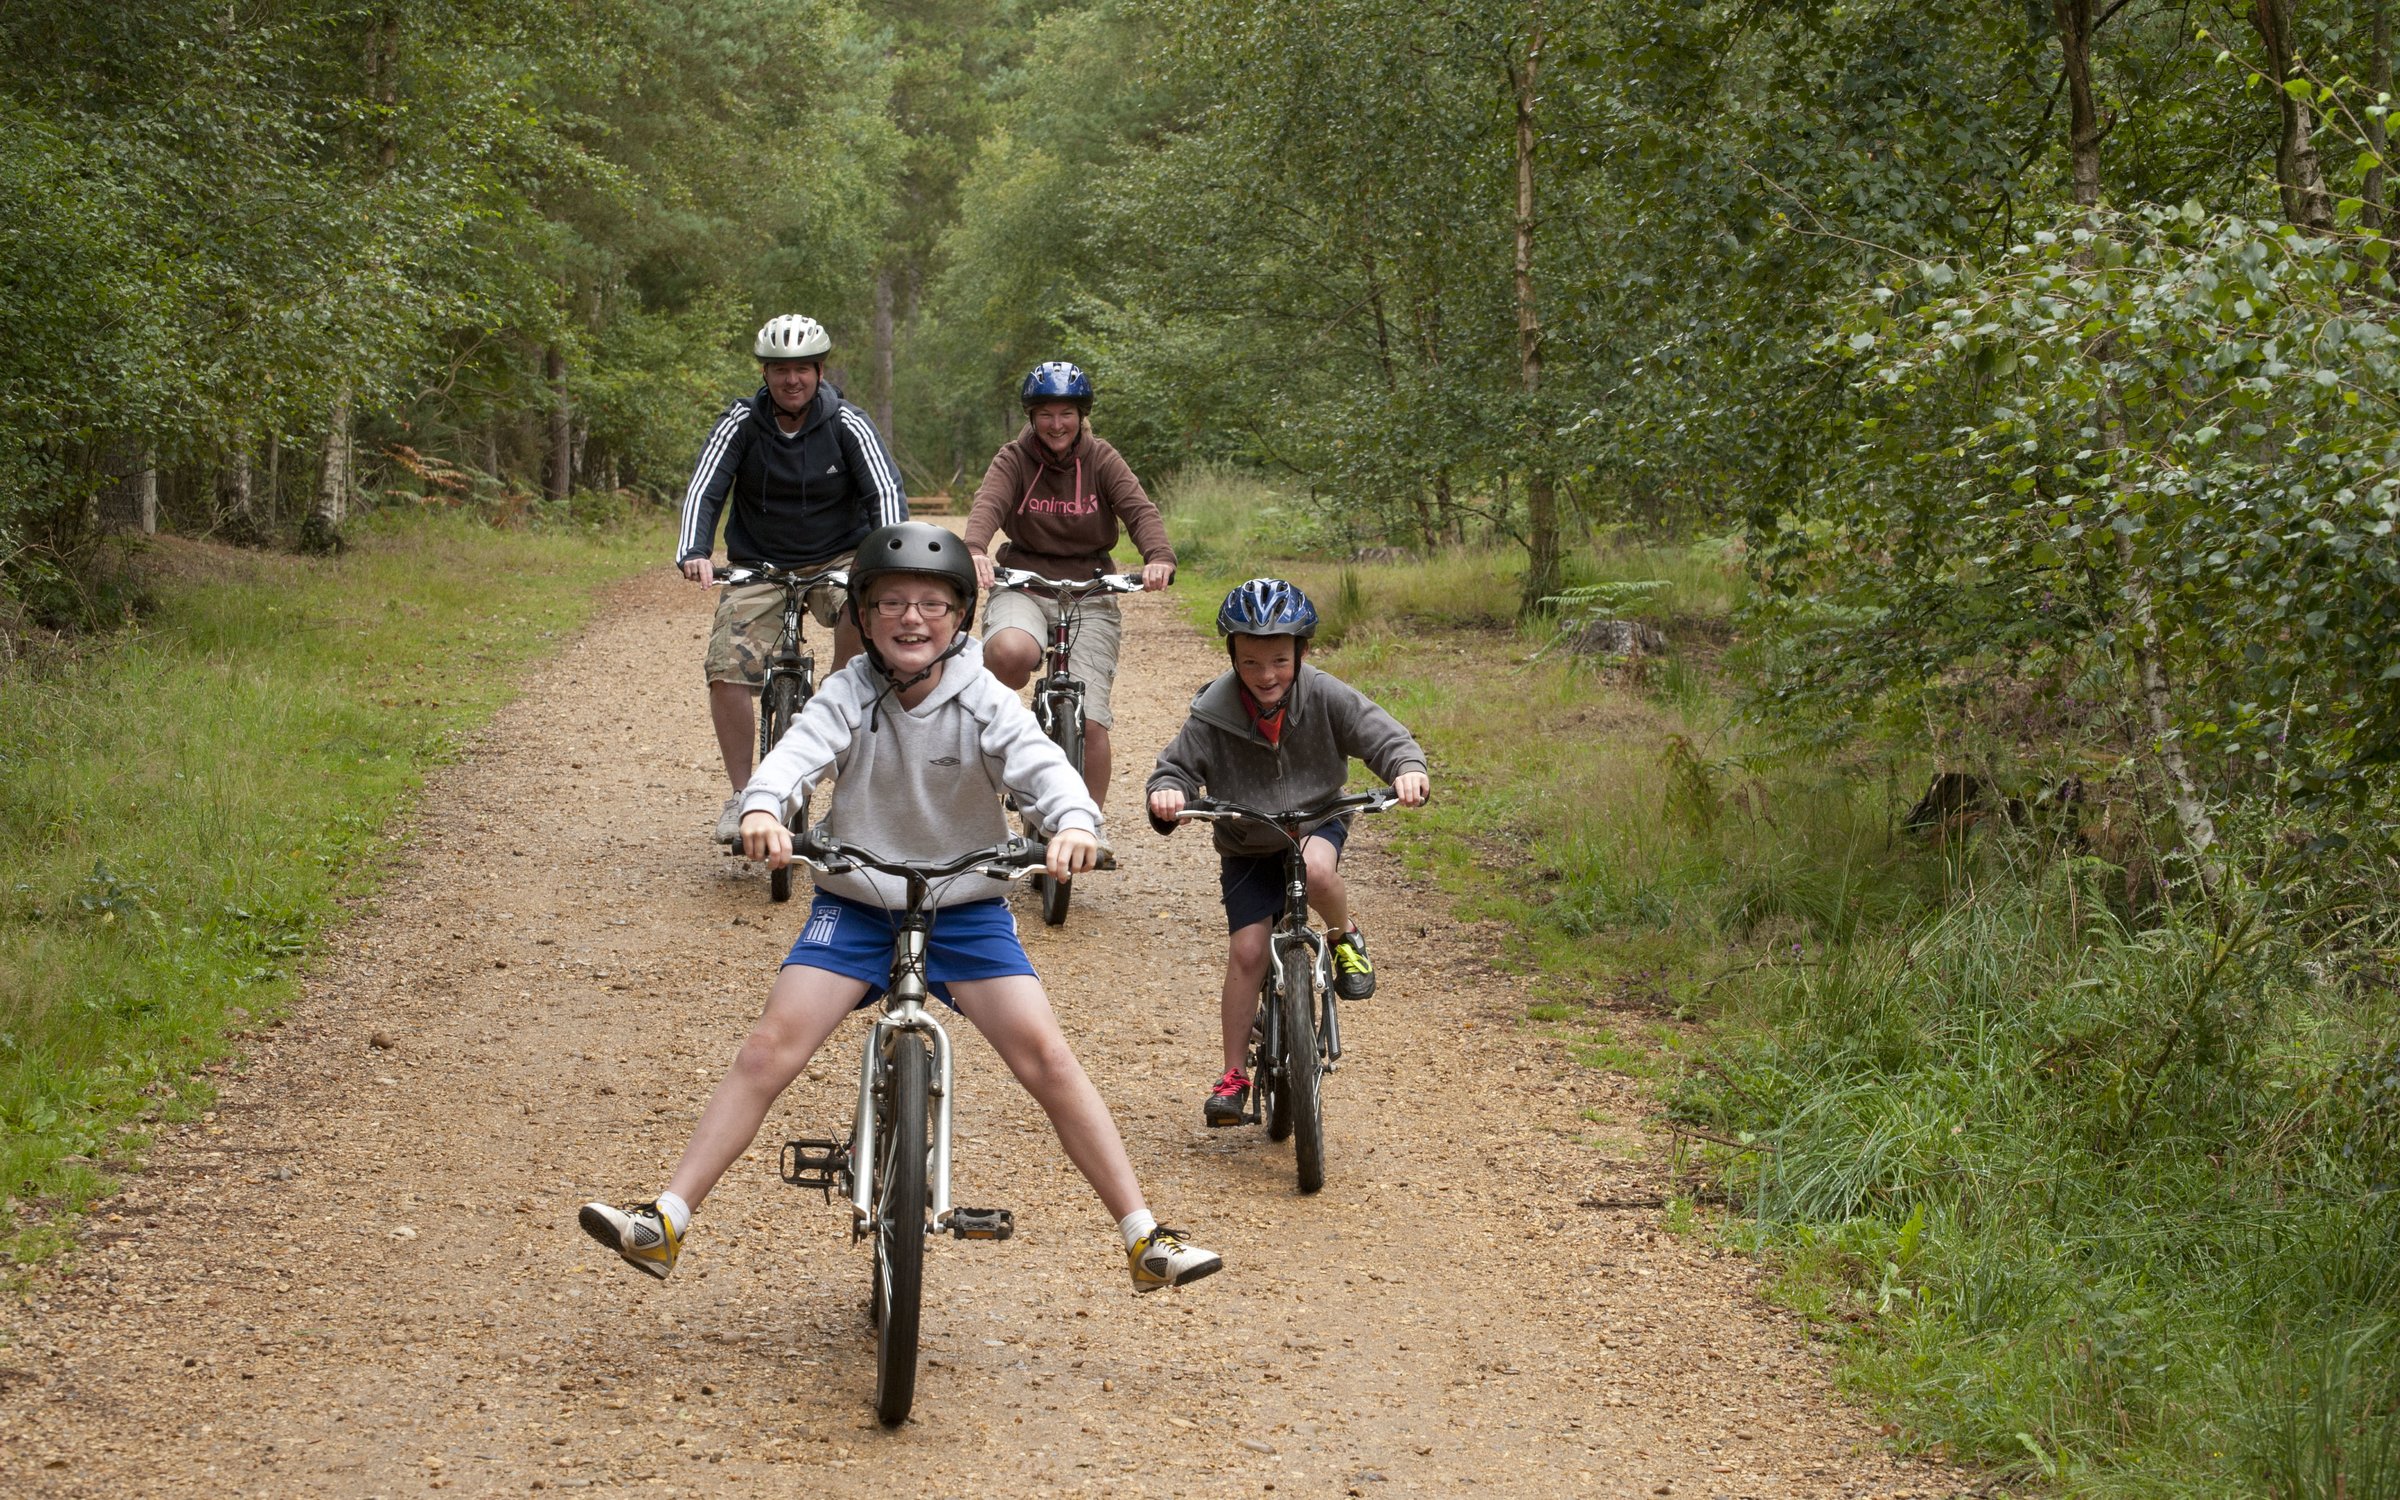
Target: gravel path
{"type": "Point", "coordinates": [362, 1276]}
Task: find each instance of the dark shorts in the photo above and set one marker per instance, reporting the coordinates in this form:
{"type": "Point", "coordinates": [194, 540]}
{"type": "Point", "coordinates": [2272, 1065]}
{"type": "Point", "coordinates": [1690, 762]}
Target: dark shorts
{"type": "Point", "coordinates": [973, 940]}
{"type": "Point", "coordinates": [1252, 885]}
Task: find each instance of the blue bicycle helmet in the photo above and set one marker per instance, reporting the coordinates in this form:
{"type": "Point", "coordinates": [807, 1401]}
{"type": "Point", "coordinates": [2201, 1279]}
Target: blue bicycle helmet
{"type": "Point", "coordinates": [1267, 606]}
{"type": "Point", "coordinates": [1056, 380]}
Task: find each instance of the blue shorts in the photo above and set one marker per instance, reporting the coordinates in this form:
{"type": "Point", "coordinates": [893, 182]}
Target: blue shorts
{"type": "Point", "coordinates": [973, 940]}
{"type": "Point", "coordinates": [1253, 884]}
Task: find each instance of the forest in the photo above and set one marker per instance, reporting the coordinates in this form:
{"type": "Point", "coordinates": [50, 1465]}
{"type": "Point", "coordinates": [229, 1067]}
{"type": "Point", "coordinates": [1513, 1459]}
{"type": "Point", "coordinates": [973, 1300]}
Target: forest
{"type": "Point", "coordinates": [2027, 368]}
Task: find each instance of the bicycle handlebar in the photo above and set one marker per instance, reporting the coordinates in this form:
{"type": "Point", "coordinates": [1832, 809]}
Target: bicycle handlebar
{"type": "Point", "coordinates": [1010, 859]}
{"type": "Point", "coordinates": [1066, 588]}
{"type": "Point", "coordinates": [768, 573]}
{"type": "Point", "coordinates": [1212, 809]}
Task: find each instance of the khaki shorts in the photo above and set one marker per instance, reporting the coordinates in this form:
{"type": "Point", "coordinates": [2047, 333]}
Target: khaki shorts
{"type": "Point", "coordinates": [750, 621]}
{"type": "Point", "coordinates": [1099, 630]}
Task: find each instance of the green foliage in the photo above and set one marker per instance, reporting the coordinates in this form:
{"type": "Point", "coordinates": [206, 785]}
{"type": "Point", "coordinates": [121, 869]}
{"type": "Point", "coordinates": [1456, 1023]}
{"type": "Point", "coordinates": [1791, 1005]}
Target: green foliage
{"type": "Point", "coordinates": [181, 807]}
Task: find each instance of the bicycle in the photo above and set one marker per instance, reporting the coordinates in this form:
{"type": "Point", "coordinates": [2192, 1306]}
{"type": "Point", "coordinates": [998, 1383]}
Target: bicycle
{"type": "Point", "coordinates": [1058, 693]}
{"type": "Point", "coordinates": [791, 672]}
{"type": "Point", "coordinates": [1297, 1037]}
{"type": "Point", "coordinates": [895, 1167]}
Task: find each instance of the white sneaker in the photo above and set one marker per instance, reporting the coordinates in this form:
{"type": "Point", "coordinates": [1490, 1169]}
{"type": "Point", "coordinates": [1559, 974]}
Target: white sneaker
{"type": "Point", "coordinates": [1161, 1258]}
{"type": "Point", "coordinates": [729, 821]}
{"type": "Point", "coordinates": [640, 1232]}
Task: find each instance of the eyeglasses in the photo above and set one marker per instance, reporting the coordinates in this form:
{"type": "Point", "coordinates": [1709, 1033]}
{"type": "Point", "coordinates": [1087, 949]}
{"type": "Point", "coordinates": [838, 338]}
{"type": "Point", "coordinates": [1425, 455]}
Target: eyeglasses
{"type": "Point", "coordinates": [930, 610]}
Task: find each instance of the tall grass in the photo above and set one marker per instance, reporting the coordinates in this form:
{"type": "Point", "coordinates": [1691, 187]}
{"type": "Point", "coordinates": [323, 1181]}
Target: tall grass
{"type": "Point", "coordinates": [183, 804]}
{"type": "Point", "coordinates": [2099, 1194]}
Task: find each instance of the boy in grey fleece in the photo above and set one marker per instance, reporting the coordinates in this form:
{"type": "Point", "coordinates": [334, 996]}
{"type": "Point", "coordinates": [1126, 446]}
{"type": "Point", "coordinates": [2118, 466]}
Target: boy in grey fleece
{"type": "Point", "coordinates": [921, 740]}
{"type": "Point", "coordinates": [1277, 735]}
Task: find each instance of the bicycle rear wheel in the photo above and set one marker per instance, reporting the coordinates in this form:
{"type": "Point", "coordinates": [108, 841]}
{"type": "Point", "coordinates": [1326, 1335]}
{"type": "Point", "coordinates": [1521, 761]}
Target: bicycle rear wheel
{"type": "Point", "coordinates": [900, 1228]}
{"type": "Point", "coordinates": [1301, 1078]}
{"type": "Point", "coordinates": [781, 703]}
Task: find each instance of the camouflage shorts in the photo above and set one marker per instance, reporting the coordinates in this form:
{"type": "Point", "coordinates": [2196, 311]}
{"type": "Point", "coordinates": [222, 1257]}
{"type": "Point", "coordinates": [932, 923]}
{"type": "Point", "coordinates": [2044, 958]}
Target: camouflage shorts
{"type": "Point", "coordinates": [750, 621]}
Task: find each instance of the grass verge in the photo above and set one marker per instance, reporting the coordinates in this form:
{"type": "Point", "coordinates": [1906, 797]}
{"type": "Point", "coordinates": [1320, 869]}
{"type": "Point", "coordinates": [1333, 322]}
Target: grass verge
{"type": "Point", "coordinates": [185, 805]}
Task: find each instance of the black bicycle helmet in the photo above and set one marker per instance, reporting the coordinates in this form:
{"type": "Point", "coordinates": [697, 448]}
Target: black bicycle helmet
{"type": "Point", "coordinates": [913, 547]}
{"type": "Point", "coordinates": [1267, 606]}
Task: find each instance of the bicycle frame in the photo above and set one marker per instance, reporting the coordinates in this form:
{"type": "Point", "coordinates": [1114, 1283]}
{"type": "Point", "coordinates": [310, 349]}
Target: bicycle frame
{"type": "Point", "coordinates": [905, 1010]}
{"type": "Point", "coordinates": [1294, 930]}
{"type": "Point", "coordinates": [1060, 694]}
{"type": "Point", "coordinates": [788, 657]}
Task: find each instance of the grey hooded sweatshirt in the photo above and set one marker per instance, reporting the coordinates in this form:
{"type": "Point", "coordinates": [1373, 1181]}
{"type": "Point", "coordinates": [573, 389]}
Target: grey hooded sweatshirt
{"type": "Point", "coordinates": [920, 783]}
{"type": "Point", "coordinates": [1325, 722]}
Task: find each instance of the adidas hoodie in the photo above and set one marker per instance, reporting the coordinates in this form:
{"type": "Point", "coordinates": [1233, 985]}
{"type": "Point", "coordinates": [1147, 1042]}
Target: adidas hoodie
{"type": "Point", "coordinates": [921, 783]}
{"type": "Point", "coordinates": [798, 498]}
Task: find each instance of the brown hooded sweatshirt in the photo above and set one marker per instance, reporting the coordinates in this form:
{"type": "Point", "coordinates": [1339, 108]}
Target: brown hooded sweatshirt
{"type": "Point", "coordinates": [1061, 511]}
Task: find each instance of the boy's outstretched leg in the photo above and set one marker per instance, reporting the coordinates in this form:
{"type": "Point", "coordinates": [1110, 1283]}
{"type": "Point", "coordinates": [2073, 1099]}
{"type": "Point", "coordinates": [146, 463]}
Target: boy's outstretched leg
{"type": "Point", "coordinates": [1014, 1015]}
{"type": "Point", "coordinates": [802, 1010]}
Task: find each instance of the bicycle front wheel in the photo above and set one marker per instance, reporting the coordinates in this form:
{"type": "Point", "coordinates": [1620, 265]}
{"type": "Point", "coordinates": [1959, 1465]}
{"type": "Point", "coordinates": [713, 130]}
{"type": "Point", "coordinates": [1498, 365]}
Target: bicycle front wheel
{"type": "Point", "coordinates": [781, 703]}
{"type": "Point", "coordinates": [900, 1227]}
{"type": "Point", "coordinates": [1066, 729]}
{"type": "Point", "coordinates": [1267, 1069]}
{"type": "Point", "coordinates": [1301, 1077]}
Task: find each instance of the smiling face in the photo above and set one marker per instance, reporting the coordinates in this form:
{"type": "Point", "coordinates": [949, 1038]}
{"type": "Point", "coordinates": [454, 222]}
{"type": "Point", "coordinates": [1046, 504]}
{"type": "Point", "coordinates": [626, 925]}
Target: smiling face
{"type": "Point", "coordinates": [1056, 423]}
{"type": "Point", "coordinates": [910, 640]}
{"type": "Point", "coordinates": [1266, 665]}
{"type": "Point", "coordinates": [792, 383]}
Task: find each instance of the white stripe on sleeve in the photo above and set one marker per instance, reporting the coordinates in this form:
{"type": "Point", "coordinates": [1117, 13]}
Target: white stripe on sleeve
{"type": "Point", "coordinates": [695, 495]}
{"type": "Point", "coordinates": [891, 502]}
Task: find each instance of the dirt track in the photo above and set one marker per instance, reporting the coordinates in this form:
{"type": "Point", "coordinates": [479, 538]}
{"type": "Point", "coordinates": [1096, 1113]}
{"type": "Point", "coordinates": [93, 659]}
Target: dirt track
{"type": "Point", "coordinates": [363, 1277]}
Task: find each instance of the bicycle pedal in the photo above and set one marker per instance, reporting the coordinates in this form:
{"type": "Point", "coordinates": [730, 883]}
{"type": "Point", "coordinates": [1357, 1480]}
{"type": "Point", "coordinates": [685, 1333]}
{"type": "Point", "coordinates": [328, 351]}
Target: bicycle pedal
{"type": "Point", "coordinates": [982, 1223]}
{"type": "Point", "coordinates": [823, 1165]}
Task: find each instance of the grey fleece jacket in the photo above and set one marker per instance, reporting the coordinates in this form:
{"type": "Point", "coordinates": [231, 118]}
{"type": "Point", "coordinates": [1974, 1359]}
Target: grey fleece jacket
{"type": "Point", "coordinates": [920, 783]}
{"type": "Point", "coordinates": [1325, 722]}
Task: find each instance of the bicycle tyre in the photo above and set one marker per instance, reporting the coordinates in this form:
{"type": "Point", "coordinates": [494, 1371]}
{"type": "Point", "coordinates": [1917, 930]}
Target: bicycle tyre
{"type": "Point", "coordinates": [1066, 730]}
{"type": "Point", "coordinates": [778, 706]}
{"type": "Point", "coordinates": [900, 1229]}
{"type": "Point", "coordinates": [1275, 1105]}
{"type": "Point", "coordinates": [1301, 1078]}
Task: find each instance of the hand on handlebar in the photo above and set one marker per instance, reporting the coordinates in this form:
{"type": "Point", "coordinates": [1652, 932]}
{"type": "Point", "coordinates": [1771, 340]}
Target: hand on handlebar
{"type": "Point", "coordinates": [699, 570]}
{"type": "Point", "coordinates": [984, 571]}
{"type": "Point", "coordinates": [1412, 788]}
{"type": "Point", "coordinates": [1166, 802]}
{"type": "Point", "coordinates": [765, 837]}
{"type": "Point", "coordinates": [1157, 575]}
{"type": "Point", "coordinates": [1071, 850]}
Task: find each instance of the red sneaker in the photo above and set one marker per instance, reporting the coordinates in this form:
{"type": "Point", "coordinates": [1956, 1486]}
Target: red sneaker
{"type": "Point", "coordinates": [1229, 1102]}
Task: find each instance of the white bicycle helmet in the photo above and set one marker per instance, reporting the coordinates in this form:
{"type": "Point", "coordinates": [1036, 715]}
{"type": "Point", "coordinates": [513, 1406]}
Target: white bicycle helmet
{"type": "Point", "coordinates": [792, 336]}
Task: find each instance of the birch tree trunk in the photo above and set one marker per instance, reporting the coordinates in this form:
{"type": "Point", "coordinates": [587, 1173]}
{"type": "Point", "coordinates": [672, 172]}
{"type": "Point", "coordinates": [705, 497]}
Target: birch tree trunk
{"type": "Point", "coordinates": [883, 354]}
{"type": "Point", "coordinates": [2379, 77]}
{"type": "Point", "coordinates": [236, 510]}
{"type": "Point", "coordinates": [560, 476]}
{"type": "Point", "coordinates": [321, 531]}
{"type": "Point", "coordinates": [2305, 200]}
{"type": "Point", "coordinates": [2084, 130]}
{"type": "Point", "coordinates": [1542, 563]}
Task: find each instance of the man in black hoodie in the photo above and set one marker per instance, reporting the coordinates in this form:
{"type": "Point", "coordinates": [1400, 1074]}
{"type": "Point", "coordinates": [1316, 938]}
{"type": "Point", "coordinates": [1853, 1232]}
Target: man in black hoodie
{"type": "Point", "coordinates": [808, 476]}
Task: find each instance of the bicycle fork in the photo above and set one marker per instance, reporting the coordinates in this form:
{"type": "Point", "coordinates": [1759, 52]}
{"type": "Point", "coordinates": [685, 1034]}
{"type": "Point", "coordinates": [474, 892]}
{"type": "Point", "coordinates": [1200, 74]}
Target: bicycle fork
{"type": "Point", "coordinates": [909, 1014]}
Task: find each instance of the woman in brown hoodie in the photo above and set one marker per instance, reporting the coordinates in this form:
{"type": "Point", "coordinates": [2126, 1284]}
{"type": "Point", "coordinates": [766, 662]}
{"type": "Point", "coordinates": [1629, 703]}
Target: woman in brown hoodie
{"type": "Point", "coordinates": [1061, 494]}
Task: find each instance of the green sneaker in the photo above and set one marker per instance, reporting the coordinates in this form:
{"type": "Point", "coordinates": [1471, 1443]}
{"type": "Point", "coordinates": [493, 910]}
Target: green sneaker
{"type": "Point", "coordinates": [1353, 975]}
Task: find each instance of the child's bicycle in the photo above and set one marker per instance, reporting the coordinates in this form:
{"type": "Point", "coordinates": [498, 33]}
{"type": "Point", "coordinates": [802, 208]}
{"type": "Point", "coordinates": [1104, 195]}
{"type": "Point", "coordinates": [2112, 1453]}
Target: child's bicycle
{"type": "Point", "coordinates": [1297, 1037]}
{"type": "Point", "coordinates": [791, 671]}
{"type": "Point", "coordinates": [1058, 693]}
{"type": "Point", "coordinates": [895, 1167]}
